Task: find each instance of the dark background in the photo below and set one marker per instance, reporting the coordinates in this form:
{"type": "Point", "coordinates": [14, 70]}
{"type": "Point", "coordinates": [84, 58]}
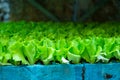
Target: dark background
{"type": "Point", "coordinates": [65, 10]}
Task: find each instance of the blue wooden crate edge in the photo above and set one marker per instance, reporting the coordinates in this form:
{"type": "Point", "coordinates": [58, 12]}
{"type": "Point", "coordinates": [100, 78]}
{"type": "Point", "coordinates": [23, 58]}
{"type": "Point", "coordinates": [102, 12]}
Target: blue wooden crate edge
{"type": "Point", "coordinates": [61, 72]}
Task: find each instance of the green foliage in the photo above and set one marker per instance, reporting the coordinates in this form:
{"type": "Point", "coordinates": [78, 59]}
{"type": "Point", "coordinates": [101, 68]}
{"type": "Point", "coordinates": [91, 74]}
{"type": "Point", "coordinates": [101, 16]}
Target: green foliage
{"type": "Point", "coordinates": [32, 43]}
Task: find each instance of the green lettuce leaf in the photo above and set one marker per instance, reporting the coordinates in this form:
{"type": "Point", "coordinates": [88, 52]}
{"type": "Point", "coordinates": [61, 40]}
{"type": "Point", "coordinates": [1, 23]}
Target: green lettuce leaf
{"type": "Point", "coordinates": [29, 50]}
{"type": "Point", "coordinates": [16, 51]}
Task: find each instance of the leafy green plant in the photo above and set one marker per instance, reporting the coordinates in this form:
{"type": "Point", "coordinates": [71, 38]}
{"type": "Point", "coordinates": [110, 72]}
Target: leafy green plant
{"type": "Point", "coordinates": [64, 43]}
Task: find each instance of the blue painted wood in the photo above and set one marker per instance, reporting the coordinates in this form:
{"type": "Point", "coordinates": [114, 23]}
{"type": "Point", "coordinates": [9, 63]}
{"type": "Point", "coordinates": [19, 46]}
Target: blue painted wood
{"type": "Point", "coordinates": [102, 71]}
{"type": "Point", "coordinates": [62, 72]}
{"type": "Point", "coordinates": [40, 72]}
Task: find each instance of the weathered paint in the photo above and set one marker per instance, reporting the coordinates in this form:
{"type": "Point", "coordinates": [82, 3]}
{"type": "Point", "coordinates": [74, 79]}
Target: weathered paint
{"type": "Point", "coordinates": [102, 71]}
{"type": "Point", "coordinates": [109, 71]}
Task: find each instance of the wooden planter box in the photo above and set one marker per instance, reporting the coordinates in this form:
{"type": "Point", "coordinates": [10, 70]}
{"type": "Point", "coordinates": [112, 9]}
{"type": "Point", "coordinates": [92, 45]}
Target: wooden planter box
{"type": "Point", "coordinates": [109, 71]}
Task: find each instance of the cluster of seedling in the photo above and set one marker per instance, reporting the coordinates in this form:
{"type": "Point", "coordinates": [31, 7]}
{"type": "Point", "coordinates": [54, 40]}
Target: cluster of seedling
{"type": "Point", "coordinates": [32, 43]}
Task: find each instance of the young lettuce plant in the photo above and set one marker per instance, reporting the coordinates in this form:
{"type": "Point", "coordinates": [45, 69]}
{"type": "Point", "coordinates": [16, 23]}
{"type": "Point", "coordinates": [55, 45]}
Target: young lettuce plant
{"type": "Point", "coordinates": [5, 56]}
{"type": "Point", "coordinates": [75, 50]}
{"type": "Point", "coordinates": [60, 55]}
{"type": "Point", "coordinates": [100, 54]}
{"type": "Point", "coordinates": [108, 48]}
{"type": "Point", "coordinates": [29, 50]}
{"type": "Point", "coordinates": [90, 50]}
{"type": "Point", "coordinates": [50, 57]}
{"type": "Point", "coordinates": [46, 50]}
{"type": "Point", "coordinates": [112, 48]}
{"type": "Point", "coordinates": [61, 50]}
{"type": "Point", "coordinates": [16, 50]}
